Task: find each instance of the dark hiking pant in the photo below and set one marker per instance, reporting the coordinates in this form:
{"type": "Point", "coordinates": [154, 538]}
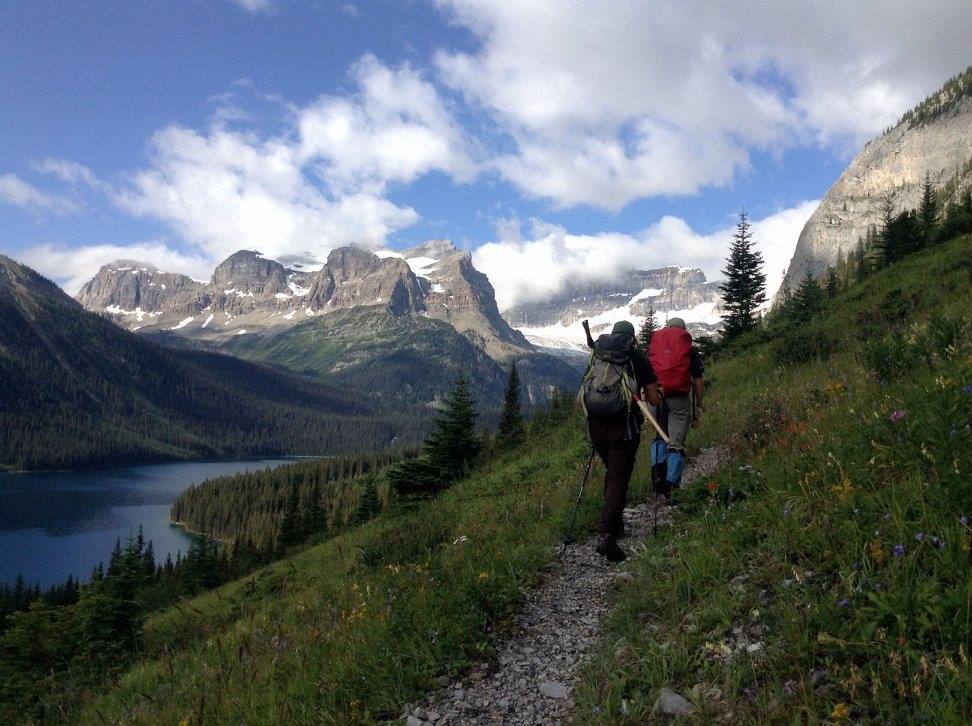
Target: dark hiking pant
{"type": "Point", "coordinates": [619, 460]}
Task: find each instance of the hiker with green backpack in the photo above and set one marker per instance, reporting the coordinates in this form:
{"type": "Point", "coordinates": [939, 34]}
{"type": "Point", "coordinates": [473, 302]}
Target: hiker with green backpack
{"type": "Point", "coordinates": [618, 373]}
{"type": "Point", "coordinates": [679, 369]}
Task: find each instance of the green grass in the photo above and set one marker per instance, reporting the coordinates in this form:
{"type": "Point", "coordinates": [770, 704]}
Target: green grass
{"type": "Point", "coordinates": [350, 630]}
{"type": "Point", "coordinates": [793, 539]}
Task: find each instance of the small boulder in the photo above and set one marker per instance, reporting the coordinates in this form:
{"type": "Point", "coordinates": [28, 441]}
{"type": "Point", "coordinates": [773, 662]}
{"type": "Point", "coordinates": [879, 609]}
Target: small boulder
{"type": "Point", "coordinates": [670, 703]}
{"type": "Point", "coordinates": [552, 689]}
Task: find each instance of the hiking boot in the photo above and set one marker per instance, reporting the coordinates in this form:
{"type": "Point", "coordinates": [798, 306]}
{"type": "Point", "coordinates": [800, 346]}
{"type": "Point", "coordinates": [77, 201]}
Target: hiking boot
{"type": "Point", "coordinates": [608, 547]}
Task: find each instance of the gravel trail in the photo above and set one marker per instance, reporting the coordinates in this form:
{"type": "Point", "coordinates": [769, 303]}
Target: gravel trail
{"type": "Point", "coordinates": [532, 679]}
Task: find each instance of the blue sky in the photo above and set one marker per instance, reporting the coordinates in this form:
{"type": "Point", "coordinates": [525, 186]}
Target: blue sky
{"type": "Point", "coordinates": [628, 135]}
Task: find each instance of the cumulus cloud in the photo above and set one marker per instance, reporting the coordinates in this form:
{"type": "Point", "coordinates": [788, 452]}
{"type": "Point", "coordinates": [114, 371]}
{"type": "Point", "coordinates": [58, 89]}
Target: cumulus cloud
{"type": "Point", "coordinates": [23, 194]}
{"type": "Point", "coordinates": [318, 185]}
{"type": "Point", "coordinates": [552, 258]}
{"type": "Point", "coordinates": [71, 267]}
{"type": "Point", "coordinates": [394, 129]}
{"type": "Point", "coordinates": [70, 172]}
{"type": "Point", "coordinates": [639, 99]}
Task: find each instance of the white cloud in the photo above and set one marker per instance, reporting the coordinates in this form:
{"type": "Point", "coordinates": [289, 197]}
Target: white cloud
{"type": "Point", "coordinates": [544, 265]}
{"type": "Point", "coordinates": [394, 129]}
{"type": "Point", "coordinates": [16, 191]}
{"type": "Point", "coordinates": [67, 171]}
{"type": "Point", "coordinates": [71, 267]}
{"type": "Point", "coordinates": [225, 191]}
{"type": "Point", "coordinates": [318, 185]}
{"type": "Point", "coordinates": [631, 99]}
{"type": "Point", "coordinates": [255, 6]}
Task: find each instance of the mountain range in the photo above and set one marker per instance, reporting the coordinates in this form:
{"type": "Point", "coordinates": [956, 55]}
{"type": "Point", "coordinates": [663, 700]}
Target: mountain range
{"type": "Point", "coordinates": [78, 390]}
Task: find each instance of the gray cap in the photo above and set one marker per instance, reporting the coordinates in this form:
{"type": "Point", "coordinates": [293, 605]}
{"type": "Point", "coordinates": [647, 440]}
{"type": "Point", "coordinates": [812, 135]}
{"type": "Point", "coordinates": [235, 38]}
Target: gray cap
{"type": "Point", "coordinates": [676, 323]}
{"type": "Point", "coordinates": [623, 326]}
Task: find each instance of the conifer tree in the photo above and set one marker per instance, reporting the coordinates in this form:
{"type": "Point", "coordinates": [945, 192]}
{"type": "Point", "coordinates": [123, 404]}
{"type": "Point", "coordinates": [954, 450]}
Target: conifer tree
{"type": "Point", "coordinates": [928, 211]}
{"type": "Point", "coordinates": [452, 447]}
{"type": "Point", "coordinates": [886, 252]}
{"type": "Point", "coordinates": [647, 328]}
{"type": "Point", "coordinates": [808, 299]}
{"type": "Point", "coordinates": [510, 430]}
{"type": "Point", "coordinates": [833, 283]}
{"type": "Point", "coordinates": [745, 287]}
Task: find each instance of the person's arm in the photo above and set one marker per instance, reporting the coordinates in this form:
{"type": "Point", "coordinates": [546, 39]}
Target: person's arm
{"type": "Point", "coordinates": [698, 386]}
{"type": "Point", "coordinates": [646, 378]}
{"type": "Point", "coordinates": [696, 369]}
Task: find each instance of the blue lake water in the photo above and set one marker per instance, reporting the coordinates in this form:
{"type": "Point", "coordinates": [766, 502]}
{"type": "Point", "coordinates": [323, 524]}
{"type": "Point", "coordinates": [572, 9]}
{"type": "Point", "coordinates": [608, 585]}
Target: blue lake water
{"type": "Point", "coordinates": [55, 524]}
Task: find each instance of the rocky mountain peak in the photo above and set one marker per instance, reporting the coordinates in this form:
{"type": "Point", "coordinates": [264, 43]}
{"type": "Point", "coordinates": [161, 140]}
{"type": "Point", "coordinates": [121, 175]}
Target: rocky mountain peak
{"type": "Point", "coordinates": [934, 138]}
{"type": "Point", "coordinates": [249, 271]}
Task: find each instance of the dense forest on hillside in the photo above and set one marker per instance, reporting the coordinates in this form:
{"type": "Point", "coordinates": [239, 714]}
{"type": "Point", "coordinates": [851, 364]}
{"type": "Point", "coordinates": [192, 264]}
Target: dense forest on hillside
{"type": "Point", "coordinates": [78, 391]}
{"type": "Point", "coordinates": [279, 507]}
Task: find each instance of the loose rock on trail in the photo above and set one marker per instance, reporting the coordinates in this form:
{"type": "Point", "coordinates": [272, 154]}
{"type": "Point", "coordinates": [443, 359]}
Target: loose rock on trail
{"type": "Point", "coordinates": [537, 666]}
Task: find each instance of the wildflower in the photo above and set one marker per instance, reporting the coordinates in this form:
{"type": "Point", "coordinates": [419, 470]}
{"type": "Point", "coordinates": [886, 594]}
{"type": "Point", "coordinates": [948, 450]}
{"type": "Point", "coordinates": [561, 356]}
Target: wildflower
{"type": "Point", "coordinates": [840, 712]}
{"type": "Point", "coordinates": [786, 511]}
{"type": "Point", "coordinates": [964, 521]}
{"type": "Point", "coordinates": [899, 550]}
{"type": "Point", "coordinates": [712, 486]}
{"type": "Point", "coordinates": [482, 576]}
{"type": "Point", "coordinates": [919, 536]}
{"type": "Point", "coordinates": [876, 551]}
{"type": "Point", "coordinates": [843, 603]}
{"type": "Point", "coordinates": [896, 416]}
{"type": "Point", "coordinates": [967, 390]}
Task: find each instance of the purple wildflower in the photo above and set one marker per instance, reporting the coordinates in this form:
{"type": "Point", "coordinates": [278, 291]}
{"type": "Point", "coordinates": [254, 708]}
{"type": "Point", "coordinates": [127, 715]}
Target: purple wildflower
{"type": "Point", "coordinates": [920, 536]}
{"type": "Point", "coordinates": [843, 603]}
{"type": "Point", "coordinates": [967, 390]}
{"type": "Point", "coordinates": [899, 550]}
{"type": "Point", "coordinates": [964, 521]}
{"type": "Point", "coordinates": [896, 416]}
{"type": "Point", "coordinates": [786, 511]}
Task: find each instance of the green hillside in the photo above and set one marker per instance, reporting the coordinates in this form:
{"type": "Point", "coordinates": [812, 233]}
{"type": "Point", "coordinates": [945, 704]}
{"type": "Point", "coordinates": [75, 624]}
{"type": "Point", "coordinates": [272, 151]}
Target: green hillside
{"type": "Point", "coordinates": [398, 359]}
{"type": "Point", "coordinates": [843, 439]}
{"type": "Point", "coordinates": [832, 536]}
{"type": "Point", "coordinates": [78, 390]}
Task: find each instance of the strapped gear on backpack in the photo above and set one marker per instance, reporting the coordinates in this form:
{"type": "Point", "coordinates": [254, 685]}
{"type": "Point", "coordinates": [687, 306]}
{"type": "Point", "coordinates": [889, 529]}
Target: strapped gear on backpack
{"type": "Point", "coordinates": [608, 387]}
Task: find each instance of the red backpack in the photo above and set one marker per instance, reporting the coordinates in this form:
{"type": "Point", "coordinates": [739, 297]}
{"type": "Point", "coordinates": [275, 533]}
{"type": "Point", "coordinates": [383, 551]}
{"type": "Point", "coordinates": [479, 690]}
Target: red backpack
{"type": "Point", "coordinates": [670, 353]}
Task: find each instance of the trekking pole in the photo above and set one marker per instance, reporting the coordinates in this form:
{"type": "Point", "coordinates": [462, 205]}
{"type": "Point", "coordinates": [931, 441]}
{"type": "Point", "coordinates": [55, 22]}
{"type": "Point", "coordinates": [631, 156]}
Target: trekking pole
{"type": "Point", "coordinates": [580, 494]}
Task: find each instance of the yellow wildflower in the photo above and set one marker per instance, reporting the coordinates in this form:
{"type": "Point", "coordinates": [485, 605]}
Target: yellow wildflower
{"type": "Point", "coordinates": [841, 712]}
{"type": "Point", "coordinates": [483, 576]}
{"type": "Point", "coordinates": [876, 551]}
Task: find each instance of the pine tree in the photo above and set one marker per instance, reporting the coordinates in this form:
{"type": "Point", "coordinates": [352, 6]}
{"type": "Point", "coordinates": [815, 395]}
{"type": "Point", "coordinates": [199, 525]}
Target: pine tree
{"type": "Point", "coordinates": [886, 249]}
{"type": "Point", "coordinates": [808, 299]}
{"type": "Point", "coordinates": [647, 328]}
{"type": "Point", "coordinates": [452, 447]}
{"type": "Point", "coordinates": [928, 211]}
{"type": "Point", "coordinates": [833, 283]}
{"type": "Point", "coordinates": [289, 533]}
{"type": "Point", "coordinates": [510, 430]}
{"type": "Point", "coordinates": [745, 287]}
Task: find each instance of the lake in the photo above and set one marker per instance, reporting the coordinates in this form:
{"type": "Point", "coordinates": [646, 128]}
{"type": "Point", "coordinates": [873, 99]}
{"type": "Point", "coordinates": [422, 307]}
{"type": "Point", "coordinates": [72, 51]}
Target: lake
{"type": "Point", "coordinates": [55, 524]}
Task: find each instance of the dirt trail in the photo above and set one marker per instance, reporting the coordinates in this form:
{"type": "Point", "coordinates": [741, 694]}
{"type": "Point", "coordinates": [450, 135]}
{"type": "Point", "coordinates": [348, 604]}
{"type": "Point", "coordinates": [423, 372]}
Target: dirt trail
{"type": "Point", "coordinates": [532, 679]}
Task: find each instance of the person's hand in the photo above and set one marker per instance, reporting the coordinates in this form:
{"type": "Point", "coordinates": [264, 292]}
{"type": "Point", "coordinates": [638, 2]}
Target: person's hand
{"type": "Point", "coordinates": [653, 394]}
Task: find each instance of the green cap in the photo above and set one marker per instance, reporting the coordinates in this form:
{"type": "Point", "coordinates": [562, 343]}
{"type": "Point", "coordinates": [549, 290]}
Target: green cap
{"type": "Point", "coordinates": [623, 326]}
{"type": "Point", "coordinates": [676, 323]}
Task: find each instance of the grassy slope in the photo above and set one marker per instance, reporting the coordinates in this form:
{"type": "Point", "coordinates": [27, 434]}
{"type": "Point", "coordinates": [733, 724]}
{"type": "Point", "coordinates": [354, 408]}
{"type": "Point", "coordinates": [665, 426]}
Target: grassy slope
{"type": "Point", "coordinates": [832, 485]}
{"type": "Point", "coordinates": [351, 629]}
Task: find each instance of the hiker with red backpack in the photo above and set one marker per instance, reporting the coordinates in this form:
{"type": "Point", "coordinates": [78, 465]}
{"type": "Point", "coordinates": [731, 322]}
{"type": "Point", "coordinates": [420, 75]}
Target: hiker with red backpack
{"type": "Point", "coordinates": [617, 376]}
{"type": "Point", "coordinates": [678, 366]}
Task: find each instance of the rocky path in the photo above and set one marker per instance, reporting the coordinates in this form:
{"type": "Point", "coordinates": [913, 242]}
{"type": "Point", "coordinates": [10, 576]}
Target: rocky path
{"type": "Point", "coordinates": [533, 677]}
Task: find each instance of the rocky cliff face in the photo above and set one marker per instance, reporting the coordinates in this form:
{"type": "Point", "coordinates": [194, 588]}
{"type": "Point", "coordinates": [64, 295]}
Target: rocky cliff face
{"type": "Point", "coordinates": [895, 163]}
{"type": "Point", "coordinates": [249, 293]}
{"type": "Point", "coordinates": [671, 291]}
